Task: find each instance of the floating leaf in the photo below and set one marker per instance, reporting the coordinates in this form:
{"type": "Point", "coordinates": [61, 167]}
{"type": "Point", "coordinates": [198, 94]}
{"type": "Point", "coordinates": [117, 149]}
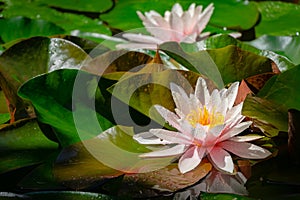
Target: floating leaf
{"type": "Point", "coordinates": [222, 65]}
{"type": "Point", "coordinates": [283, 89]}
{"type": "Point", "coordinates": [270, 117]}
{"type": "Point", "coordinates": [23, 146]}
{"type": "Point", "coordinates": [124, 16]}
{"type": "Point", "coordinates": [72, 95]}
{"type": "Point", "coordinates": [39, 55]}
{"type": "Point", "coordinates": [4, 117]}
{"type": "Point", "coordinates": [220, 41]}
{"type": "Point", "coordinates": [288, 46]}
{"type": "Point", "coordinates": [80, 5]}
{"type": "Point", "coordinates": [278, 18]}
{"type": "Point", "coordinates": [68, 21]}
{"type": "Point", "coordinates": [26, 28]}
{"type": "Point", "coordinates": [77, 168]}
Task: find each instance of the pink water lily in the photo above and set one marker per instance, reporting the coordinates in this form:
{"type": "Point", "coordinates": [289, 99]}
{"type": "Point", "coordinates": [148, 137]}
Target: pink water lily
{"type": "Point", "coordinates": [208, 124]}
{"type": "Point", "coordinates": [177, 25]}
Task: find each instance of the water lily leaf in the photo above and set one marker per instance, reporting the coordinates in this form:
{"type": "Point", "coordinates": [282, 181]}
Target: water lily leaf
{"type": "Point", "coordinates": [288, 46]}
{"type": "Point", "coordinates": [39, 55]}
{"type": "Point", "coordinates": [77, 168]}
{"type": "Point", "coordinates": [23, 144]}
{"type": "Point", "coordinates": [116, 61]}
{"type": "Point", "coordinates": [27, 28]}
{"type": "Point", "coordinates": [81, 5]}
{"type": "Point", "coordinates": [68, 21]}
{"type": "Point", "coordinates": [109, 155]}
{"type": "Point", "coordinates": [70, 195]}
{"type": "Point", "coordinates": [267, 115]}
{"type": "Point", "coordinates": [283, 86]}
{"type": "Point", "coordinates": [72, 95]}
{"type": "Point", "coordinates": [124, 16]}
{"type": "Point", "coordinates": [221, 40]}
{"type": "Point", "coordinates": [4, 117]}
{"type": "Point", "coordinates": [167, 179]}
{"type": "Point", "coordinates": [3, 104]}
{"type": "Point", "coordinates": [278, 18]}
{"type": "Point", "coordinates": [222, 65]}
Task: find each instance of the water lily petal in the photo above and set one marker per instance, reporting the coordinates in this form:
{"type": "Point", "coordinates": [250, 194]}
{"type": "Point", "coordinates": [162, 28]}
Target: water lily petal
{"type": "Point", "coordinates": [173, 151]}
{"type": "Point", "coordinates": [201, 91]}
{"type": "Point", "coordinates": [190, 159]}
{"type": "Point", "coordinates": [235, 130]}
{"type": "Point", "coordinates": [221, 159]}
{"type": "Point", "coordinates": [142, 38]}
{"type": "Point", "coordinates": [172, 136]}
{"type": "Point", "coordinates": [246, 138]}
{"type": "Point", "coordinates": [233, 113]}
{"type": "Point", "coordinates": [231, 93]}
{"type": "Point", "coordinates": [180, 98]}
{"type": "Point", "coordinates": [176, 25]}
{"type": "Point", "coordinates": [204, 18]}
{"type": "Point", "coordinates": [169, 116]}
{"type": "Point", "coordinates": [149, 138]}
{"type": "Point", "coordinates": [245, 150]}
{"type": "Point", "coordinates": [177, 9]}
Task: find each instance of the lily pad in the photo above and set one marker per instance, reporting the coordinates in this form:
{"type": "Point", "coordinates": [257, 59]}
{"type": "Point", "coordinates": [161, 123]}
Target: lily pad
{"type": "Point", "coordinates": [26, 28]}
{"type": "Point", "coordinates": [39, 55]}
{"type": "Point", "coordinates": [223, 65]}
{"type": "Point", "coordinates": [124, 16]}
{"type": "Point", "coordinates": [288, 46]}
{"type": "Point", "coordinates": [71, 94]}
{"type": "Point", "coordinates": [23, 146]}
{"type": "Point", "coordinates": [278, 18]}
{"type": "Point", "coordinates": [68, 21]}
{"type": "Point", "coordinates": [80, 5]}
{"type": "Point", "coordinates": [222, 40]}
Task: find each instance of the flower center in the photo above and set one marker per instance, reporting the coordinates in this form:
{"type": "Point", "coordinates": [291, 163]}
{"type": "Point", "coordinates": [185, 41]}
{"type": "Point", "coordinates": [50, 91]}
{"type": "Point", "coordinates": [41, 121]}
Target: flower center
{"type": "Point", "coordinates": [205, 117]}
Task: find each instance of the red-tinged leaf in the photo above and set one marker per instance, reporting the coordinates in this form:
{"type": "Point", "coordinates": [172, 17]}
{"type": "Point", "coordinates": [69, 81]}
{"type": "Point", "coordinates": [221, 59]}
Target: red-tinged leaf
{"type": "Point", "coordinates": [168, 179]}
{"type": "Point", "coordinates": [256, 82]}
{"type": "Point", "coordinates": [243, 91]}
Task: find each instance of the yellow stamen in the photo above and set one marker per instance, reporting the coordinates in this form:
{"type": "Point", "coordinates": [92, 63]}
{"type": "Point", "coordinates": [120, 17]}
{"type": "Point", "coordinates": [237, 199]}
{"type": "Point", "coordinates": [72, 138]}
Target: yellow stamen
{"type": "Point", "coordinates": [205, 117]}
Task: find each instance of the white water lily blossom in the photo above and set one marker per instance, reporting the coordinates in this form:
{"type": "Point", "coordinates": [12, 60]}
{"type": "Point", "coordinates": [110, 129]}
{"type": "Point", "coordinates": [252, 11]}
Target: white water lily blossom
{"type": "Point", "coordinates": [177, 25]}
{"type": "Point", "coordinates": [207, 124]}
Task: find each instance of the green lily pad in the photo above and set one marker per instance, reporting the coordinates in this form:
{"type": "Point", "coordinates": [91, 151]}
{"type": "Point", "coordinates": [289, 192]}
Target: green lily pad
{"type": "Point", "coordinates": [288, 46]}
{"type": "Point", "coordinates": [267, 115]}
{"type": "Point", "coordinates": [23, 146]}
{"type": "Point", "coordinates": [124, 16]}
{"type": "Point", "coordinates": [278, 18]}
{"type": "Point", "coordinates": [68, 21]}
{"type": "Point", "coordinates": [4, 117]}
{"type": "Point", "coordinates": [221, 40]}
{"type": "Point", "coordinates": [71, 94]}
{"type": "Point", "coordinates": [26, 28]}
{"type": "Point", "coordinates": [39, 55]}
{"type": "Point", "coordinates": [80, 5]}
{"type": "Point", "coordinates": [283, 89]}
{"type": "Point", "coordinates": [223, 65]}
